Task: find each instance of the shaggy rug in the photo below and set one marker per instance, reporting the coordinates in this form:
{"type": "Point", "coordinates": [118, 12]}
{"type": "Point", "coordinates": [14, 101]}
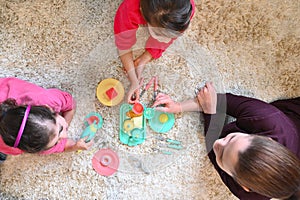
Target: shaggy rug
{"type": "Point", "coordinates": [250, 48]}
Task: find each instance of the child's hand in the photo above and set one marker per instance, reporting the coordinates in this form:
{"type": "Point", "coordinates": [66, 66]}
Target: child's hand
{"type": "Point", "coordinates": [82, 145]}
{"type": "Point", "coordinates": [207, 98]}
{"type": "Point", "coordinates": [170, 105]}
{"type": "Point", "coordinates": [133, 94]}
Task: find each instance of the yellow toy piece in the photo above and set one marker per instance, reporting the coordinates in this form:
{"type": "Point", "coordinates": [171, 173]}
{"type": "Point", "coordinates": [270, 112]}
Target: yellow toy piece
{"type": "Point", "coordinates": [138, 122]}
{"type": "Point", "coordinates": [128, 125]}
{"type": "Point", "coordinates": [163, 118]}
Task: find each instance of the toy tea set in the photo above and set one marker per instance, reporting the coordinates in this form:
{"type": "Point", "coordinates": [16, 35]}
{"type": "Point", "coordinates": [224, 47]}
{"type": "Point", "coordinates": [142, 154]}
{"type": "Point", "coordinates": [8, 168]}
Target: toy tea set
{"type": "Point", "coordinates": [105, 161]}
{"type": "Point", "coordinates": [133, 121]}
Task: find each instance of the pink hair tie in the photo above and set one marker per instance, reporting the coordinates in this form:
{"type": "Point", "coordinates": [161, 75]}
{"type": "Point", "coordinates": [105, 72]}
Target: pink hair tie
{"type": "Point", "coordinates": [22, 126]}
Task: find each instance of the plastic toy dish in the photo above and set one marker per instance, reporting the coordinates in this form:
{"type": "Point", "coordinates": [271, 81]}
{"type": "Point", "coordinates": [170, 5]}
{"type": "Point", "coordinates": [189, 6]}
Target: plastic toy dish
{"type": "Point", "coordinates": [128, 125]}
{"type": "Point", "coordinates": [94, 116]}
{"type": "Point", "coordinates": [131, 135]}
{"type": "Point", "coordinates": [149, 113]}
{"type": "Point", "coordinates": [110, 92]}
{"type": "Point", "coordinates": [161, 122]}
{"type": "Point", "coordinates": [163, 118]}
{"type": "Point", "coordinates": [93, 122]}
{"type": "Point", "coordinates": [105, 162]}
{"type": "Point", "coordinates": [138, 108]}
{"type": "Point", "coordinates": [136, 133]}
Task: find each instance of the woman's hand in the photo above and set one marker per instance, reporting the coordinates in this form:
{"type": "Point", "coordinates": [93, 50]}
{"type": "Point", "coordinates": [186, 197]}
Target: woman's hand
{"type": "Point", "coordinates": [169, 105]}
{"type": "Point", "coordinates": [207, 97]}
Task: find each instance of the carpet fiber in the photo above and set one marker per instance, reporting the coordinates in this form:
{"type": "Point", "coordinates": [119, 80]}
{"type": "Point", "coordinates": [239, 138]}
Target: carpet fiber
{"type": "Point", "coordinates": [250, 48]}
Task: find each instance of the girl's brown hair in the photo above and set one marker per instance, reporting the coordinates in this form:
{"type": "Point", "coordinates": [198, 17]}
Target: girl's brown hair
{"type": "Point", "coordinates": [37, 132]}
{"type": "Point", "coordinates": [268, 168]}
{"type": "Point", "coordinates": [169, 14]}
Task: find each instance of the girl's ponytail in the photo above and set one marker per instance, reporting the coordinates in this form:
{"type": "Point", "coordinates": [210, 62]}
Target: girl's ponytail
{"type": "Point", "coordinates": [295, 196]}
{"type": "Point", "coordinates": [5, 106]}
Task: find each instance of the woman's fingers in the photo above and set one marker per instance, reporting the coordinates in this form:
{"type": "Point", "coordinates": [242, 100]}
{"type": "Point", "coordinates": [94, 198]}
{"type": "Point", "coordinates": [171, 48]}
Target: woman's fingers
{"type": "Point", "coordinates": [161, 95]}
{"type": "Point", "coordinates": [162, 109]}
{"type": "Point", "coordinates": [161, 99]}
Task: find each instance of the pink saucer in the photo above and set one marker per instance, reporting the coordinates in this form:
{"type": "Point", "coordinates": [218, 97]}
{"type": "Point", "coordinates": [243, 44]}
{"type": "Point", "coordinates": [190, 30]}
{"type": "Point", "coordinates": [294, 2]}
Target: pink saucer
{"type": "Point", "coordinates": [105, 162]}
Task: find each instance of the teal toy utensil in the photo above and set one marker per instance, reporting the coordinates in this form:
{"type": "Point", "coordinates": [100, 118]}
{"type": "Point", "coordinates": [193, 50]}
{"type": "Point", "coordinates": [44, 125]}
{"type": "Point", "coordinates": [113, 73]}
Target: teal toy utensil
{"type": "Point", "coordinates": [171, 141]}
{"type": "Point", "coordinates": [172, 146]}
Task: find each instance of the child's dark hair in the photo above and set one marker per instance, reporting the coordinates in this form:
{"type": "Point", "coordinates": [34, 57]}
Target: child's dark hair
{"type": "Point", "coordinates": [36, 134]}
{"type": "Point", "coordinates": [170, 14]}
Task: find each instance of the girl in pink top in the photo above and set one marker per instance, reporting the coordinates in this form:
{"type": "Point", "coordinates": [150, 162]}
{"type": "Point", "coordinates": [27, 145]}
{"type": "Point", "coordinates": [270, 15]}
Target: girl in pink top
{"type": "Point", "coordinates": [165, 20]}
{"type": "Point", "coordinates": [34, 119]}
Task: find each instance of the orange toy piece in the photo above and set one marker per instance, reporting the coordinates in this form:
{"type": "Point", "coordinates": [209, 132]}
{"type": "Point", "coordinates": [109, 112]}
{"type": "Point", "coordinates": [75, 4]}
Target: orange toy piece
{"type": "Point", "coordinates": [111, 93]}
{"type": "Point", "coordinates": [131, 114]}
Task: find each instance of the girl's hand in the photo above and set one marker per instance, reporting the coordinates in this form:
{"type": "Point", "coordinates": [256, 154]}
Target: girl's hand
{"type": "Point", "coordinates": [133, 94]}
{"type": "Point", "coordinates": [169, 105]}
{"type": "Point", "coordinates": [207, 98]}
{"type": "Point", "coordinates": [82, 145]}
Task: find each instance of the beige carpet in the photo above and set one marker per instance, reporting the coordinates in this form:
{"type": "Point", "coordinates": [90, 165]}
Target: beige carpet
{"type": "Point", "coordinates": [250, 48]}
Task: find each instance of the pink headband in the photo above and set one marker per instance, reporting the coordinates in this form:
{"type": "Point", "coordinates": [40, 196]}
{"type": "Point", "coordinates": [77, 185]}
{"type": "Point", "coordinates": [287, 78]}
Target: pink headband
{"type": "Point", "coordinates": [22, 126]}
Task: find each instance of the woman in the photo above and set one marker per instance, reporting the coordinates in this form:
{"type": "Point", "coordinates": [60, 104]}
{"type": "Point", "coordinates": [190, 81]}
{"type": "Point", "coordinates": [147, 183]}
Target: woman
{"type": "Point", "coordinates": [257, 155]}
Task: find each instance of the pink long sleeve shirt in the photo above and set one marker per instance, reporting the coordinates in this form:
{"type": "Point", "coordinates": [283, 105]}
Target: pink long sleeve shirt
{"type": "Point", "coordinates": [26, 93]}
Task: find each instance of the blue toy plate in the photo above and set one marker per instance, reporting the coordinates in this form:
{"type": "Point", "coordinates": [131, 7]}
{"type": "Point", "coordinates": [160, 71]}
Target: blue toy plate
{"type": "Point", "coordinates": [160, 127]}
{"type": "Point", "coordinates": [89, 119]}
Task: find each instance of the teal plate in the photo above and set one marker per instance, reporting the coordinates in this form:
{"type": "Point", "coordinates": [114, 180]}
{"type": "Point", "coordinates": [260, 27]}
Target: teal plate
{"type": "Point", "coordinates": [160, 127]}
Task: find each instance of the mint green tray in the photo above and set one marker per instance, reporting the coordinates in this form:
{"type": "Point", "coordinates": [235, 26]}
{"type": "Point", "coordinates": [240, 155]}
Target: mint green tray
{"type": "Point", "coordinates": [135, 136]}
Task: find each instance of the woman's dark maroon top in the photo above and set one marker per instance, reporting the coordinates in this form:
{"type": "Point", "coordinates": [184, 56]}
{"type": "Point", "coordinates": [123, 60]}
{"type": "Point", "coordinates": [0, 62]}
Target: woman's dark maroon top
{"type": "Point", "coordinates": [279, 120]}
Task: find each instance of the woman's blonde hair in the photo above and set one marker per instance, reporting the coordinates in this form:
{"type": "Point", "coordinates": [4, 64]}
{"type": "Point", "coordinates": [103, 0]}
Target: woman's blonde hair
{"type": "Point", "coordinates": [268, 168]}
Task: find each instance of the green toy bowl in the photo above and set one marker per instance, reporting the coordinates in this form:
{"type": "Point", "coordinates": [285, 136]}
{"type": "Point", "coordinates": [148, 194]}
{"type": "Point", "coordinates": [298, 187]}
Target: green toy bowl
{"type": "Point", "coordinates": [160, 126]}
{"type": "Point", "coordinates": [134, 136]}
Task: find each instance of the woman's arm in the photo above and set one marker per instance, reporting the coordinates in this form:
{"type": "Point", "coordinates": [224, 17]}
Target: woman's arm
{"type": "Point", "coordinates": [175, 107]}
